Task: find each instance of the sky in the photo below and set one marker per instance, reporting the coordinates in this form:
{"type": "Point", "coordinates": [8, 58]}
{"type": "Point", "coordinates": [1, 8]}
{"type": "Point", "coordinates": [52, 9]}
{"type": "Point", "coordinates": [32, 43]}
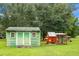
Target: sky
{"type": "Point", "coordinates": [2, 10]}
{"type": "Point", "coordinates": [76, 11]}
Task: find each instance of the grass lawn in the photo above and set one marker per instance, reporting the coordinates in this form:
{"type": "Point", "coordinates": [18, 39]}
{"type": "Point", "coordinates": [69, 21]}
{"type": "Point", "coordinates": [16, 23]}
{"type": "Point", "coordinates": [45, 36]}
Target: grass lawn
{"type": "Point", "coordinates": [72, 49]}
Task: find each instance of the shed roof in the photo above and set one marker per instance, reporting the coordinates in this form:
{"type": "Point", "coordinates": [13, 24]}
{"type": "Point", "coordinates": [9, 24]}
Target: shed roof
{"type": "Point", "coordinates": [23, 29]}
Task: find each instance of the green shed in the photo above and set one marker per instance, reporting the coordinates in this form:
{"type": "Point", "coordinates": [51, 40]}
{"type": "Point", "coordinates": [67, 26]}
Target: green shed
{"type": "Point", "coordinates": [23, 36]}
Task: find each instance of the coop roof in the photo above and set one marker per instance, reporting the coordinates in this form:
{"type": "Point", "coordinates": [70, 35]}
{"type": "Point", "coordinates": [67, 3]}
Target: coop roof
{"type": "Point", "coordinates": [60, 33]}
{"type": "Point", "coordinates": [23, 29]}
{"type": "Point", "coordinates": [51, 34]}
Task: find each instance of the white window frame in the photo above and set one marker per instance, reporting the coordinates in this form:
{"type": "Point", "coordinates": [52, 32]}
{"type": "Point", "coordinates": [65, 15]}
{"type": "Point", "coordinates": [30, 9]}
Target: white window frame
{"type": "Point", "coordinates": [14, 34]}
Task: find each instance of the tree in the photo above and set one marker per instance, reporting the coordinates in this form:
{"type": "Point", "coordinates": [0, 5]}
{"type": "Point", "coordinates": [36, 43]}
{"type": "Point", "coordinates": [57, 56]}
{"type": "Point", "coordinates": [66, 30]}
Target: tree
{"type": "Point", "coordinates": [49, 17]}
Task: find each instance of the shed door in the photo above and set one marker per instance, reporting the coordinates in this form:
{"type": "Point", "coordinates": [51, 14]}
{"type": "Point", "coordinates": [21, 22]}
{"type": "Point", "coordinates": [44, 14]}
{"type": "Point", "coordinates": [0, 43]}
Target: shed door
{"type": "Point", "coordinates": [20, 39]}
{"type": "Point", "coordinates": [27, 39]}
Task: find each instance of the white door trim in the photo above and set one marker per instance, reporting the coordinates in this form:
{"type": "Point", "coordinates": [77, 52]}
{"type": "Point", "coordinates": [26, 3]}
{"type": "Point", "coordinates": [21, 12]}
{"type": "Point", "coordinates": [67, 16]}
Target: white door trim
{"type": "Point", "coordinates": [16, 38]}
{"type": "Point", "coordinates": [30, 38]}
{"type": "Point", "coordinates": [23, 38]}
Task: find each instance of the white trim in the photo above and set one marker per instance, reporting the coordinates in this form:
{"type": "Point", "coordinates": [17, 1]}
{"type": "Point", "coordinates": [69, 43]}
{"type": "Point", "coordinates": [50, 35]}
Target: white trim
{"type": "Point", "coordinates": [30, 38]}
{"type": "Point", "coordinates": [7, 38]}
{"type": "Point", "coordinates": [16, 38]}
{"type": "Point", "coordinates": [10, 34]}
{"type": "Point", "coordinates": [39, 38]}
{"type": "Point", "coordinates": [23, 38]}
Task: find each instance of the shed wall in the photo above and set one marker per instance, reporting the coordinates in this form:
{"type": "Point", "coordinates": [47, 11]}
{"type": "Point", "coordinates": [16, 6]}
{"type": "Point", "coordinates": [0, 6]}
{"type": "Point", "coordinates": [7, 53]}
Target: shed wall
{"type": "Point", "coordinates": [23, 38]}
{"type": "Point", "coordinates": [10, 41]}
{"type": "Point", "coordinates": [35, 41]}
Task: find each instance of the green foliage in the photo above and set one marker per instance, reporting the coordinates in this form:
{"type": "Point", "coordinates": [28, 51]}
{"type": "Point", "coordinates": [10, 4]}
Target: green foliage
{"type": "Point", "coordinates": [49, 17]}
{"type": "Point", "coordinates": [73, 28]}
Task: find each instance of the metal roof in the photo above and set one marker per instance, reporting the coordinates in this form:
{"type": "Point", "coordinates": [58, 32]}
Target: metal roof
{"type": "Point", "coordinates": [23, 29]}
{"type": "Point", "coordinates": [60, 33]}
{"type": "Point", "coordinates": [51, 34]}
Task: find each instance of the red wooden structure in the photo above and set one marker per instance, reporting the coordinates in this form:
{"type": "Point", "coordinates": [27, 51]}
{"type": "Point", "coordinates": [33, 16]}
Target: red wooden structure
{"type": "Point", "coordinates": [51, 37]}
{"type": "Point", "coordinates": [52, 40]}
{"type": "Point", "coordinates": [56, 38]}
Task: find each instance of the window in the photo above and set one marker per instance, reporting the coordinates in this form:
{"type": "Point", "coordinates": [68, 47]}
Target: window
{"type": "Point", "coordinates": [33, 34]}
{"type": "Point", "coordinates": [13, 34]}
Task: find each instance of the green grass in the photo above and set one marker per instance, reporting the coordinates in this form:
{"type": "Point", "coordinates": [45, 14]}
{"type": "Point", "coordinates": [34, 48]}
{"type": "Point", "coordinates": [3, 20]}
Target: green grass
{"type": "Point", "coordinates": [71, 49]}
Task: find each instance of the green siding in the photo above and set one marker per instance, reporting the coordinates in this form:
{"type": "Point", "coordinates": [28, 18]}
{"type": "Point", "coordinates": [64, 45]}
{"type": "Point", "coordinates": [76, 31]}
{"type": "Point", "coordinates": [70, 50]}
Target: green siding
{"type": "Point", "coordinates": [10, 40]}
{"type": "Point", "coordinates": [35, 41]}
{"type": "Point", "coordinates": [26, 38]}
{"type": "Point", "coordinates": [23, 40]}
{"type": "Point", "coordinates": [20, 38]}
{"type": "Point", "coordinates": [13, 42]}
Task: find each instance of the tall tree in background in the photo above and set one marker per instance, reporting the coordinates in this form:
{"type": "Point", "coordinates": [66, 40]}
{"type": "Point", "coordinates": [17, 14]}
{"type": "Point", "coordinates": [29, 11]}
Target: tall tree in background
{"type": "Point", "coordinates": [49, 17]}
